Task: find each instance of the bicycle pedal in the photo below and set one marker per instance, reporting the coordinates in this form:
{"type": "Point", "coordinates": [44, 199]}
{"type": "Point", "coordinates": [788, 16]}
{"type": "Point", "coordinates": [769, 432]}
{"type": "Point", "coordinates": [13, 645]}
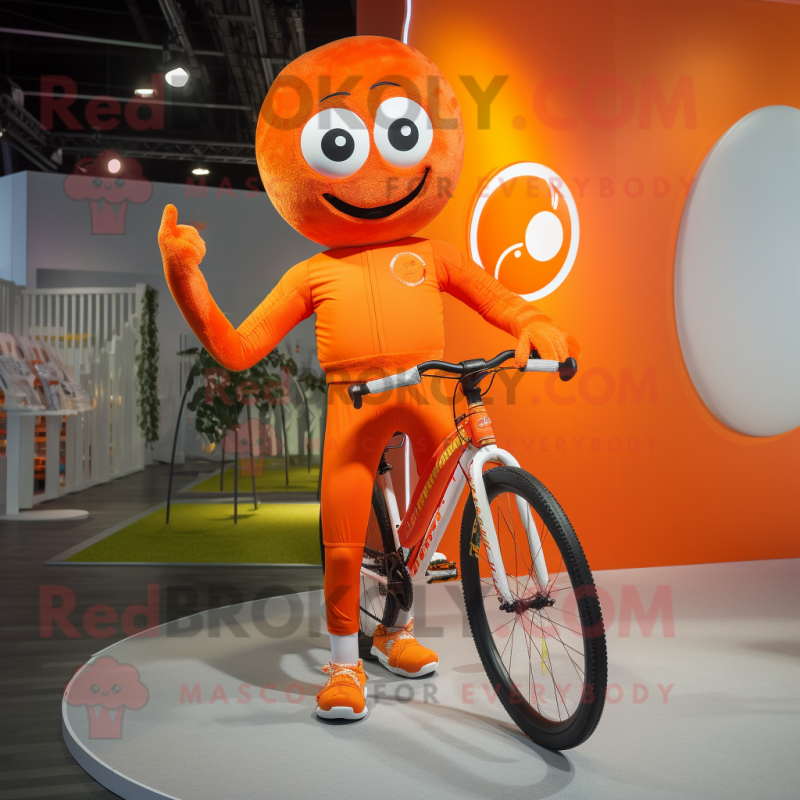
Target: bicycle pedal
{"type": "Point", "coordinates": [441, 570]}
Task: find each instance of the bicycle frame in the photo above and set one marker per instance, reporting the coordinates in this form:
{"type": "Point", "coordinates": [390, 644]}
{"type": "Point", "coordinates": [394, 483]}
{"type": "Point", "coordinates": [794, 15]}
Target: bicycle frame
{"type": "Point", "coordinates": [460, 458]}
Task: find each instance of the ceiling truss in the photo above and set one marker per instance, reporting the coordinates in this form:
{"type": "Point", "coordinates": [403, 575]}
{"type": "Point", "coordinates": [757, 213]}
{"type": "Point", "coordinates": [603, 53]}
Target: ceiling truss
{"type": "Point", "coordinates": [257, 38]}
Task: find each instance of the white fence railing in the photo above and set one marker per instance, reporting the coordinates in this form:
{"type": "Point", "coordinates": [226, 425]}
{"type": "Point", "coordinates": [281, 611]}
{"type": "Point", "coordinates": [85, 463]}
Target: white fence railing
{"type": "Point", "coordinates": [96, 334]}
{"type": "Point", "coordinates": [78, 323]}
{"type": "Point", "coordinates": [10, 307]}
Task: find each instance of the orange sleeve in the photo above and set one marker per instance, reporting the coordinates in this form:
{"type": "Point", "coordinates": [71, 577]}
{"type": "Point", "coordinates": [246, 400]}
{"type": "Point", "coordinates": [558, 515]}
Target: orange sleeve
{"type": "Point", "coordinates": [472, 285]}
{"type": "Point", "coordinates": [237, 349]}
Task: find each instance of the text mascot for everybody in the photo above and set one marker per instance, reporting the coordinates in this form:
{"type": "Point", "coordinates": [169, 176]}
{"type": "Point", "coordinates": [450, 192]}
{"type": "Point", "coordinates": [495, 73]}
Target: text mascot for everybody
{"type": "Point", "coordinates": [360, 145]}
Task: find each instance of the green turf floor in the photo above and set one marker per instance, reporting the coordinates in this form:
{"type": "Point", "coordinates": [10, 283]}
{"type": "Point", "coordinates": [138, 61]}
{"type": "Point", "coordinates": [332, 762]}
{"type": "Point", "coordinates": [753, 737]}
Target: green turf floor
{"type": "Point", "coordinates": [204, 533]}
{"type": "Point", "coordinates": [273, 479]}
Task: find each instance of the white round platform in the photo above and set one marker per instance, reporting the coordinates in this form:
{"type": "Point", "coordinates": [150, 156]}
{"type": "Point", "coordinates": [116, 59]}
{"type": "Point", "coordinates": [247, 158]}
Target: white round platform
{"type": "Point", "coordinates": [46, 515]}
{"type": "Point", "coordinates": [214, 712]}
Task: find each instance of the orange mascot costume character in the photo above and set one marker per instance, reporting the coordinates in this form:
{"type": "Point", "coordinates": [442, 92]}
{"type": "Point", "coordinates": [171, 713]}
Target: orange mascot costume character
{"type": "Point", "coordinates": [360, 144]}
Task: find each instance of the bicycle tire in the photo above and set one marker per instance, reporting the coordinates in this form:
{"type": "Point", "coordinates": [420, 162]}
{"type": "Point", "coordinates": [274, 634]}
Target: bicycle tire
{"type": "Point", "coordinates": [555, 735]}
{"type": "Point", "coordinates": [380, 538]}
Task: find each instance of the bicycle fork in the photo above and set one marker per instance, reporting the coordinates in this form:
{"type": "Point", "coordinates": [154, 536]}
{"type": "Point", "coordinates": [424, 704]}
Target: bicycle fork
{"type": "Point", "coordinates": [479, 458]}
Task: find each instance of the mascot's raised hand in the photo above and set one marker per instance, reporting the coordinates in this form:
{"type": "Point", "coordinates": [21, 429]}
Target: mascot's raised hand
{"type": "Point", "coordinates": [182, 250]}
{"type": "Point", "coordinates": [182, 247]}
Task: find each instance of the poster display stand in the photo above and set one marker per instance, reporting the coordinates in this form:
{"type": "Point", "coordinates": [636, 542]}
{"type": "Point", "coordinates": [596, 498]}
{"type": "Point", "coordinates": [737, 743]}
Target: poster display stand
{"type": "Point", "coordinates": [21, 363]}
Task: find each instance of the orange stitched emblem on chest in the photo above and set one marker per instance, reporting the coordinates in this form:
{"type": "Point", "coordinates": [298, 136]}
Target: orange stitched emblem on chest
{"type": "Point", "coordinates": [408, 268]}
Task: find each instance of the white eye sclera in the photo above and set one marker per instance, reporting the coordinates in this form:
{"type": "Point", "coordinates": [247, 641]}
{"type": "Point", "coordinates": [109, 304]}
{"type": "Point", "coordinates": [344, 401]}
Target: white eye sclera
{"type": "Point", "coordinates": [403, 131]}
{"type": "Point", "coordinates": [335, 143]}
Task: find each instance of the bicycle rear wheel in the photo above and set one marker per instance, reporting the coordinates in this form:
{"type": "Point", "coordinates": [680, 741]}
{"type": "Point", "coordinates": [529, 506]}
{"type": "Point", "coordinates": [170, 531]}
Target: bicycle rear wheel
{"type": "Point", "coordinates": [376, 605]}
{"type": "Point", "coordinates": [546, 655]}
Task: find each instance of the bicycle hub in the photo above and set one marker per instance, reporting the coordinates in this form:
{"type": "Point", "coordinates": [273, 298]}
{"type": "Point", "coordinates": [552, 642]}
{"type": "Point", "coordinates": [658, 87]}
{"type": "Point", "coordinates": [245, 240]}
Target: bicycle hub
{"type": "Point", "coordinates": [537, 601]}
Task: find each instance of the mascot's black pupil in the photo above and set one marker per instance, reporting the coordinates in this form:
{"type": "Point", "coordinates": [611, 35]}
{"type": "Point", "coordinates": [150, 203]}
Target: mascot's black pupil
{"type": "Point", "coordinates": [338, 144]}
{"type": "Point", "coordinates": [403, 134]}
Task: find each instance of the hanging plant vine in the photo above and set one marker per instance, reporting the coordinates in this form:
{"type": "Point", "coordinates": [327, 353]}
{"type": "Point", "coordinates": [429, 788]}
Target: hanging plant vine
{"type": "Point", "coordinates": [147, 369]}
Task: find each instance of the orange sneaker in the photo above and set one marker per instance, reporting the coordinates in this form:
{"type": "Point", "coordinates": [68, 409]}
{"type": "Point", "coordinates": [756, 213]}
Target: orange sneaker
{"type": "Point", "coordinates": [400, 652]}
{"type": "Point", "coordinates": [345, 693]}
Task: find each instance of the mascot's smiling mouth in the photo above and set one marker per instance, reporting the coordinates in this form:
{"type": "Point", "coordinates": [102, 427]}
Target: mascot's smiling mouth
{"type": "Point", "coordinates": [378, 212]}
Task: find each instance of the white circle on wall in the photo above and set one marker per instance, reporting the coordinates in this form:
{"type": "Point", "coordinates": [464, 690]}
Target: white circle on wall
{"type": "Point", "coordinates": [525, 169]}
{"type": "Point", "coordinates": [544, 236]}
{"type": "Point", "coordinates": [737, 275]}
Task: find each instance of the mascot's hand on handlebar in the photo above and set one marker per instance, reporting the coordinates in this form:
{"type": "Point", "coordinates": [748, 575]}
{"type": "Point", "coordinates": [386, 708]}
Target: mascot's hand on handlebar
{"type": "Point", "coordinates": [545, 337]}
{"type": "Point", "coordinates": [182, 247]}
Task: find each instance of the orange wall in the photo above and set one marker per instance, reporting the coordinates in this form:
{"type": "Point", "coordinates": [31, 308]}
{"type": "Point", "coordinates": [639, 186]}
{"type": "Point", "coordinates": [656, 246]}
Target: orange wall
{"type": "Point", "coordinates": [654, 479]}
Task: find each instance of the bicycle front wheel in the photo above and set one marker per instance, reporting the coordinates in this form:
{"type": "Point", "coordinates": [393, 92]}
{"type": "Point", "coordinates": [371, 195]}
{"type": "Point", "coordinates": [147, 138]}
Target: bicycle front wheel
{"type": "Point", "coordinates": [545, 654]}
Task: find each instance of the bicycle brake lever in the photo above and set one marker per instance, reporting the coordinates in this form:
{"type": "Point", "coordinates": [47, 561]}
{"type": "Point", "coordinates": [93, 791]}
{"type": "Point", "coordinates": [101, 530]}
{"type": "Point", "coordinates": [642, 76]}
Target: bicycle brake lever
{"type": "Point", "coordinates": [356, 392]}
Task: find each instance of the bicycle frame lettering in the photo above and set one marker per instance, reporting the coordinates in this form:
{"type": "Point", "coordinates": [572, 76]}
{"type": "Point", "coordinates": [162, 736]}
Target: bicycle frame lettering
{"type": "Point", "coordinates": [435, 498]}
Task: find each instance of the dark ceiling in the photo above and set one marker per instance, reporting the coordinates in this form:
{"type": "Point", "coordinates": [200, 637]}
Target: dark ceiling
{"type": "Point", "coordinates": [233, 48]}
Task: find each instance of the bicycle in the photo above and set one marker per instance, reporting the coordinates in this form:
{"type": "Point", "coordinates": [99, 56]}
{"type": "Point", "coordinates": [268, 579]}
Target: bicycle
{"type": "Point", "coordinates": [510, 518]}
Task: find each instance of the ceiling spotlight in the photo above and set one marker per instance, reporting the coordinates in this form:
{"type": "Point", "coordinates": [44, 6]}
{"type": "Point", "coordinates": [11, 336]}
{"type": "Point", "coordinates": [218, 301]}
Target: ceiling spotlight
{"type": "Point", "coordinates": [144, 91]}
{"type": "Point", "coordinates": [177, 77]}
{"type": "Point", "coordinates": [114, 165]}
{"type": "Point", "coordinates": [199, 171]}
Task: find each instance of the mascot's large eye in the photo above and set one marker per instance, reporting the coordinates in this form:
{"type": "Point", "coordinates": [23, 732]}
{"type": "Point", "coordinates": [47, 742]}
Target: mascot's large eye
{"type": "Point", "coordinates": [403, 131]}
{"type": "Point", "coordinates": [335, 143]}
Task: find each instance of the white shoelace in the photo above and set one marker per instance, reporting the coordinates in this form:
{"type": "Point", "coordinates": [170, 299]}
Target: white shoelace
{"type": "Point", "coordinates": [334, 670]}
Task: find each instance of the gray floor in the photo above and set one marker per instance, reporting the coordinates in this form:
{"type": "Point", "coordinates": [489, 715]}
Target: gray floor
{"type": "Point", "coordinates": [35, 665]}
{"type": "Point", "coordinates": [728, 727]}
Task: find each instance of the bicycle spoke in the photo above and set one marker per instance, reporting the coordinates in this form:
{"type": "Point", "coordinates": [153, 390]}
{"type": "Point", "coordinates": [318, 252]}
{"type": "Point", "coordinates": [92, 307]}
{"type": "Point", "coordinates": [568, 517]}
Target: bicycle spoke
{"type": "Point", "coordinates": [556, 690]}
{"type": "Point", "coordinates": [510, 637]}
{"type": "Point", "coordinates": [532, 680]}
{"type": "Point", "coordinates": [567, 647]}
{"type": "Point", "coordinates": [548, 666]}
{"type": "Point", "coordinates": [501, 625]}
{"type": "Point", "coordinates": [510, 527]}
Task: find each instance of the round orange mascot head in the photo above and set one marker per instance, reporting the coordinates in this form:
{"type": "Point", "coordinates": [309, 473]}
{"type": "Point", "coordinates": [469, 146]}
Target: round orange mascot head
{"type": "Point", "coordinates": [360, 142]}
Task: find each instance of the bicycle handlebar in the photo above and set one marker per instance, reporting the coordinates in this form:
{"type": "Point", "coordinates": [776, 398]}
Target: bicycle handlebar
{"type": "Point", "coordinates": [566, 371]}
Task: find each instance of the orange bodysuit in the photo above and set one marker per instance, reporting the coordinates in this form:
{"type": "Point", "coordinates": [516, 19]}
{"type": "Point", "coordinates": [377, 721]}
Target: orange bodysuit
{"type": "Point", "coordinates": [379, 311]}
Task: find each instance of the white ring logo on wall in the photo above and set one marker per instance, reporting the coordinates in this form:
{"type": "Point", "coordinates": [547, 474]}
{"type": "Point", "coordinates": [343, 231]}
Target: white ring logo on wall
{"type": "Point", "coordinates": [408, 268]}
{"type": "Point", "coordinates": [544, 233]}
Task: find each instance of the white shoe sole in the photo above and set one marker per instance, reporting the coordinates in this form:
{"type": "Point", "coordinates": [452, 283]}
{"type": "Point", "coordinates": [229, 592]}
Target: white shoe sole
{"type": "Point", "coordinates": [384, 659]}
{"type": "Point", "coordinates": [344, 712]}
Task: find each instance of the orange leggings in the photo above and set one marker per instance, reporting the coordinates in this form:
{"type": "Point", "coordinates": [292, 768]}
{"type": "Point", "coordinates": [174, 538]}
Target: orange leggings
{"type": "Point", "coordinates": [354, 441]}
